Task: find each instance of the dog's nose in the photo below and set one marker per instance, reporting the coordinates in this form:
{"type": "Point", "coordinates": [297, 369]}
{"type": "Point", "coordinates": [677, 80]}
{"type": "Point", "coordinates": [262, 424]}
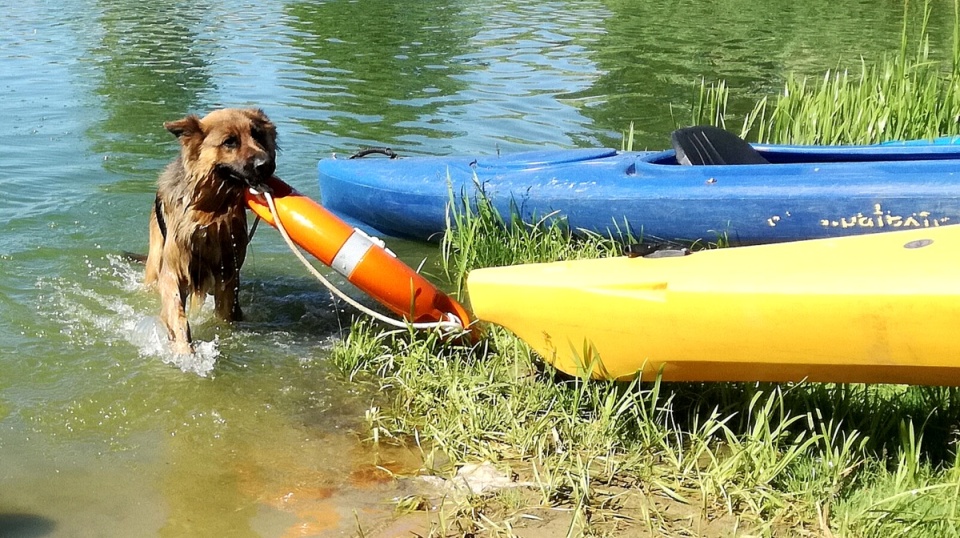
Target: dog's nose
{"type": "Point", "coordinates": [263, 164]}
{"type": "Point", "coordinates": [263, 168]}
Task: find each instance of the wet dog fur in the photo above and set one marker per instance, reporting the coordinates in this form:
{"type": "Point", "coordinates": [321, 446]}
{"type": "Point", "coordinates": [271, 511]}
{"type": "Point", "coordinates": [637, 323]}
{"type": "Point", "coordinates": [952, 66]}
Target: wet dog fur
{"type": "Point", "coordinates": [198, 225]}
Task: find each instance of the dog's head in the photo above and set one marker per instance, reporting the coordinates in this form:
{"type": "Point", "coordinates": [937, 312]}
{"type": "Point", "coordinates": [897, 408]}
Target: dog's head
{"type": "Point", "coordinates": [234, 144]}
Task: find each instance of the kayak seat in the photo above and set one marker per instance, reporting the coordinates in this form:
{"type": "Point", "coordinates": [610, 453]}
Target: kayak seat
{"type": "Point", "coordinates": [703, 144]}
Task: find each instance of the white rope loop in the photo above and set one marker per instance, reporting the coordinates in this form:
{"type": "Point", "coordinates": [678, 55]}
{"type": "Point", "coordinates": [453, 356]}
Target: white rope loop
{"type": "Point", "coordinates": [451, 324]}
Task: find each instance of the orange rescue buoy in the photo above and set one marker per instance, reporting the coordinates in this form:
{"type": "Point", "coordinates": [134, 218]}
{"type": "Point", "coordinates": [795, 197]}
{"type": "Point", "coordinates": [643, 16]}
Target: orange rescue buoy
{"type": "Point", "coordinates": [363, 260]}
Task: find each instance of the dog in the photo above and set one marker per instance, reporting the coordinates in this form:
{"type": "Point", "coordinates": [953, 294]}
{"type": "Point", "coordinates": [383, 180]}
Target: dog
{"type": "Point", "coordinates": [198, 224]}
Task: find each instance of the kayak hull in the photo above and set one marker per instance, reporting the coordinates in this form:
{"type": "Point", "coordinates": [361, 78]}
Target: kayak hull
{"type": "Point", "coordinates": [878, 308]}
{"type": "Point", "coordinates": [807, 192]}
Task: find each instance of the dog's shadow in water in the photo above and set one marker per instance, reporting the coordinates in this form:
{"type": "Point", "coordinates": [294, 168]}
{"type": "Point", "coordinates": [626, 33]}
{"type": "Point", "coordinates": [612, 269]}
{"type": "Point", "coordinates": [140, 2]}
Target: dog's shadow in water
{"type": "Point", "coordinates": [298, 307]}
{"type": "Point", "coordinates": [25, 525]}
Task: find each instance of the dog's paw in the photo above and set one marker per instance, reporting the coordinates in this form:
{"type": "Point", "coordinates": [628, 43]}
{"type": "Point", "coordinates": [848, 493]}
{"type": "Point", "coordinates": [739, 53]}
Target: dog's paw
{"type": "Point", "coordinates": [181, 348]}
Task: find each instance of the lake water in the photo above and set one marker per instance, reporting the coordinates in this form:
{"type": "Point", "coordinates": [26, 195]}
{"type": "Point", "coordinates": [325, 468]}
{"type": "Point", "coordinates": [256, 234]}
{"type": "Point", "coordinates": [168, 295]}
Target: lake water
{"type": "Point", "coordinates": [102, 433]}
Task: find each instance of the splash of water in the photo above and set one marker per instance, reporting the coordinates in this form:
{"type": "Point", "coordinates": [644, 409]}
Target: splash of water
{"type": "Point", "coordinates": [87, 315]}
{"type": "Point", "coordinates": [150, 337]}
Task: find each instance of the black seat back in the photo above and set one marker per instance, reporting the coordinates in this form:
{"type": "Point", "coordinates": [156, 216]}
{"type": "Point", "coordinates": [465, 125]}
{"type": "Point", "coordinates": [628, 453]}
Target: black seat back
{"type": "Point", "coordinates": [703, 144]}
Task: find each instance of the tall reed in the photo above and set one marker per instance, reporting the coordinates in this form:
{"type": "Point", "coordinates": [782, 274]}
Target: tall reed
{"type": "Point", "coordinates": [903, 97]}
{"type": "Point", "coordinates": [478, 235]}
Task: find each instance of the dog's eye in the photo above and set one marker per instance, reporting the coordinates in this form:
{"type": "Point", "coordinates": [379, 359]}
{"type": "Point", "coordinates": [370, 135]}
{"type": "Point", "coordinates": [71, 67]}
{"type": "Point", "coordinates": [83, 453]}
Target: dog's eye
{"type": "Point", "coordinates": [231, 142]}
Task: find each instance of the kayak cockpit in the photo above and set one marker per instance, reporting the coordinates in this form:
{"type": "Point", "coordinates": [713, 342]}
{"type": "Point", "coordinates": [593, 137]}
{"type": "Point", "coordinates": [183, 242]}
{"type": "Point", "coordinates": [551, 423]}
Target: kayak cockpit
{"type": "Point", "coordinates": [704, 145]}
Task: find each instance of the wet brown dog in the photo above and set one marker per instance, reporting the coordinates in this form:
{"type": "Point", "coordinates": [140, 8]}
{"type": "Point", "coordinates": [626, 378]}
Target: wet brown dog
{"type": "Point", "coordinates": [198, 226]}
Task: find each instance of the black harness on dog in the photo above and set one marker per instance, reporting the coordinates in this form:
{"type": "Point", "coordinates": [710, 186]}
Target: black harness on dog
{"type": "Point", "coordinates": [158, 208]}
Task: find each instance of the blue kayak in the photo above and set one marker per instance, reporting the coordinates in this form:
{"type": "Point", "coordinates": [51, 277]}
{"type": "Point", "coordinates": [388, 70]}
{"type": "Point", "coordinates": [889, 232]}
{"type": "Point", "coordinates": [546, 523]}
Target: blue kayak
{"type": "Point", "coordinates": [709, 185]}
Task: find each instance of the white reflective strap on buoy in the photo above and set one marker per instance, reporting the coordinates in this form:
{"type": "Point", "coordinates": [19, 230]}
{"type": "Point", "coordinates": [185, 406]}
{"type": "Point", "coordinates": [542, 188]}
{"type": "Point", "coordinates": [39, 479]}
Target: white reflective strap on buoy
{"type": "Point", "coordinates": [353, 250]}
{"type": "Point", "coordinates": [350, 254]}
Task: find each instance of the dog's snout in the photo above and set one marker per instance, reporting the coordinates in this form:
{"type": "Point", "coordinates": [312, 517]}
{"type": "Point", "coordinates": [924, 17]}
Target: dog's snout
{"type": "Point", "coordinates": [263, 165]}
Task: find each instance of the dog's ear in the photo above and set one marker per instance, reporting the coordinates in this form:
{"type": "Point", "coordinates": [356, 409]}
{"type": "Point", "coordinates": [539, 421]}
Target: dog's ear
{"type": "Point", "coordinates": [260, 118]}
{"type": "Point", "coordinates": [257, 114]}
{"type": "Point", "coordinates": [266, 126]}
{"type": "Point", "coordinates": [184, 128]}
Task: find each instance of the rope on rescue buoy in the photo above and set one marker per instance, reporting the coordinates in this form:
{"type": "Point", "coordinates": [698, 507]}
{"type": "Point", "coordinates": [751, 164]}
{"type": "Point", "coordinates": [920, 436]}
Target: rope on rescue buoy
{"type": "Point", "coordinates": [452, 324]}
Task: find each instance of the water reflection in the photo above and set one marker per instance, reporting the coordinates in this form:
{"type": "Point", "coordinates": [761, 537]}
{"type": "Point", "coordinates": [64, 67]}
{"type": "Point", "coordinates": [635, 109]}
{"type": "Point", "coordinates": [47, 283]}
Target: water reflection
{"type": "Point", "coordinates": [652, 54]}
{"type": "Point", "coordinates": [152, 67]}
{"type": "Point", "coordinates": [447, 77]}
{"type": "Point", "coordinates": [380, 74]}
{"type": "Point", "coordinates": [526, 57]}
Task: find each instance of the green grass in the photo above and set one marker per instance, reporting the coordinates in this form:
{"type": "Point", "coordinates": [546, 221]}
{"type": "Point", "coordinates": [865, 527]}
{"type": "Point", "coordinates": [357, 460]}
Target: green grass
{"type": "Point", "coordinates": [857, 460]}
{"type": "Point", "coordinates": [479, 236]}
{"type": "Point", "coordinates": [677, 459]}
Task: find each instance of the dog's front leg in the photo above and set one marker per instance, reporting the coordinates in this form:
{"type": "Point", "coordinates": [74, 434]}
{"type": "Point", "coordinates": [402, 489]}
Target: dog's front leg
{"type": "Point", "coordinates": [173, 297]}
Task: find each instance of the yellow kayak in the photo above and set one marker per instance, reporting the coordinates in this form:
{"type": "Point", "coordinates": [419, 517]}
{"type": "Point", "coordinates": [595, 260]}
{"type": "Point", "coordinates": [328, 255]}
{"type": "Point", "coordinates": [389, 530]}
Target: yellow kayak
{"type": "Point", "coordinates": [879, 308]}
